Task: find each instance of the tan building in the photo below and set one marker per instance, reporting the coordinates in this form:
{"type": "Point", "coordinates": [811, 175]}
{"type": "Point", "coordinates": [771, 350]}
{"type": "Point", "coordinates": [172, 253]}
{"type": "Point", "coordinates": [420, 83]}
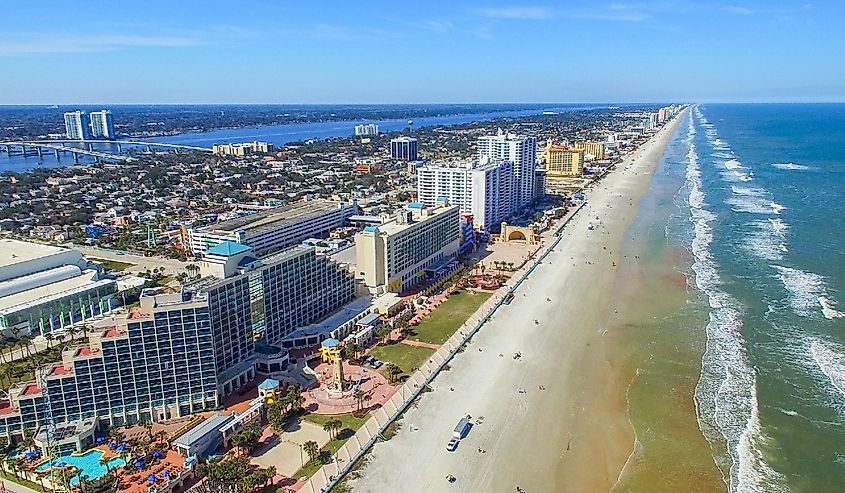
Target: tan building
{"type": "Point", "coordinates": [416, 242]}
{"type": "Point", "coordinates": [562, 161]}
{"type": "Point", "coordinates": [243, 149]}
{"type": "Point", "coordinates": [592, 150]}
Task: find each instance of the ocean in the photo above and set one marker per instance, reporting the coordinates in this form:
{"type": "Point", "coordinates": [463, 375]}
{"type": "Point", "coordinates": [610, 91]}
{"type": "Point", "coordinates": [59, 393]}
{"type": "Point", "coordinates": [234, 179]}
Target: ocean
{"type": "Point", "coordinates": [765, 190]}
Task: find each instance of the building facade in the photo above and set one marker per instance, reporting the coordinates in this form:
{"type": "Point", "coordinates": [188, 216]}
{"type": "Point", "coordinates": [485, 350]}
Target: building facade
{"type": "Point", "coordinates": [76, 125]}
{"type": "Point", "coordinates": [404, 149]}
{"type": "Point", "coordinates": [102, 125]}
{"type": "Point", "coordinates": [273, 229]}
{"type": "Point", "coordinates": [482, 190]}
{"type": "Point", "coordinates": [45, 288]}
{"type": "Point", "coordinates": [395, 255]}
{"type": "Point", "coordinates": [181, 353]}
{"type": "Point", "coordinates": [519, 150]}
{"type": "Point", "coordinates": [243, 149]}
{"type": "Point", "coordinates": [368, 129]}
{"type": "Point", "coordinates": [562, 161]}
{"type": "Point", "coordinates": [592, 150]}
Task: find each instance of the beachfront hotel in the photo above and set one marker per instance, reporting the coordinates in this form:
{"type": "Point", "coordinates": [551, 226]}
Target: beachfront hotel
{"type": "Point", "coordinates": [181, 352]}
{"type": "Point", "coordinates": [483, 190]}
{"type": "Point", "coordinates": [416, 242]}
{"type": "Point", "coordinates": [521, 151]}
{"type": "Point", "coordinates": [46, 288]}
{"type": "Point", "coordinates": [563, 161]}
{"type": "Point", "coordinates": [271, 230]}
{"type": "Point", "coordinates": [592, 150]}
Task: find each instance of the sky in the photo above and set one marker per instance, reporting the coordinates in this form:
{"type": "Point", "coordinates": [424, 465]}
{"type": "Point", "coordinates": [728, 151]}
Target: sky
{"type": "Point", "coordinates": [432, 51]}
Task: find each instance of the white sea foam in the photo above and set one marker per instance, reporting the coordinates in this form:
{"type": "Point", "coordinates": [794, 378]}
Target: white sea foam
{"type": "Point", "coordinates": [791, 166]}
{"type": "Point", "coordinates": [733, 164]}
{"type": "Point", "coordinates": [830, 359]}
{"type": "Point", "coordinates": [764, 241]}
{"type": "Point", "coordinates": [750, 204]}
{"type": "Point", "coordinates": [725, 397]}
{"type": "Point", "coordinates": [828, 309]}
{"type": "Point", "coordinates": [750, 191]}
{"type": "Point", "coordinates": [807, 292]}
{"type": "Point", "coordinates": [779, 226]}
{"type": "Point", "coordinates": [776, 208]}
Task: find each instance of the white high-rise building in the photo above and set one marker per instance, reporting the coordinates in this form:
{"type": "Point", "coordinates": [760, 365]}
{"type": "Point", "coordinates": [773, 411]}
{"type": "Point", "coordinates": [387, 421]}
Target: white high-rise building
{"type": "Point", "coordinates": [519, 150]}
{"type": "Point", "coordinates": [76, 125]}
{"type": "Point", "coordinates": [102, 124]}
{"type": "Point", "coordinates": [368, 129]}
{"type": "Point", "coordinates": [483, 190]}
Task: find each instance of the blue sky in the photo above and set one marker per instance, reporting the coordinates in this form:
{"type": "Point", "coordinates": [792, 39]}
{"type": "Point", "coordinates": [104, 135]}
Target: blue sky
{"type": "Point", "coordinates": [429, 51]}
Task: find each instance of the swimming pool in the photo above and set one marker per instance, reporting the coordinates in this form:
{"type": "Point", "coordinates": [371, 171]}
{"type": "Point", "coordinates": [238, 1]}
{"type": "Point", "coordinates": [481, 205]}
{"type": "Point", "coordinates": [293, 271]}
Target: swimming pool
{"type": "Point", "coordinates": [88, 463]}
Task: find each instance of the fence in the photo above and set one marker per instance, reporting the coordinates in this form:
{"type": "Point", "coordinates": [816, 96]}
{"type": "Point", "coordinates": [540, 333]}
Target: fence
{"type": "Point", "coordinates": [343, 460]}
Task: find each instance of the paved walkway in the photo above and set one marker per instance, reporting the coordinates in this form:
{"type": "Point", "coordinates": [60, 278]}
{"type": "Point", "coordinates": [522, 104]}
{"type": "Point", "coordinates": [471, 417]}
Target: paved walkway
{"type": "Point", "coordinates": [409, 342]}
{"type": "Point", "coordinates": [15, 487]}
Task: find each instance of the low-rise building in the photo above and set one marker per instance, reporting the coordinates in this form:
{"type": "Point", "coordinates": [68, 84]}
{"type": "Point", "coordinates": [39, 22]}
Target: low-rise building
{"type": "Point", "coordinates": [243, 149]}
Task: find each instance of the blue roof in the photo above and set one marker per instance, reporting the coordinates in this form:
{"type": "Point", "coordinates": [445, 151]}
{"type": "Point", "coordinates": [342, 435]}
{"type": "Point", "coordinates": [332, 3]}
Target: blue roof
{"type": "Point", "coordinates": [331, 342]}
{"type": "Point", "coordinates": [416, 205]}
{"type": "Point", "coordinates": [269, 384]}
{"type": "Point", "coordinates": [247, 260]}
{"type": "Point", "coordinates": [443, 198]}
{"type": "Point", "coordinates": [228, 248]}
{"type": "Point", "coordinates": [370, 229]}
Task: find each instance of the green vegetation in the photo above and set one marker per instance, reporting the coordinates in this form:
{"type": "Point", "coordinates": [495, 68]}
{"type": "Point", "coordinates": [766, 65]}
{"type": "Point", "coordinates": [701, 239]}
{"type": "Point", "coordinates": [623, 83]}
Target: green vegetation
{"type": "Point", "coordinates": [115, 265]}
{"type": "Point", "coordinates": [22, 481]}
{"type": "Point", "coordinates": [407, 358]}
{"type": "Point", "coordinates": [349, 424]}
{"type": "Point", "coordinates": [439, 326]}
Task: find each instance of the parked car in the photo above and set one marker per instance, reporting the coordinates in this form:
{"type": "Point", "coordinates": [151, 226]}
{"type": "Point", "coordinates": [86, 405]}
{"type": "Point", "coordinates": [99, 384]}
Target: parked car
{"type": "Point", "coordinates": [453, 444]}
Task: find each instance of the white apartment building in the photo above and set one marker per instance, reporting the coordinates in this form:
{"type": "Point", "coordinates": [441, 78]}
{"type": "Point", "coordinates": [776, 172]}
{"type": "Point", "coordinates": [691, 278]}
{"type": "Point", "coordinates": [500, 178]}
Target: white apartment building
{"type": "Point", "coordinates": [483, 190]}
{"type": "Point", "coordinates": [519, 150]}
{"type": "Point", "coordinates": [397, 254]}
{"type": "Point", "coordinates": [271, 230]}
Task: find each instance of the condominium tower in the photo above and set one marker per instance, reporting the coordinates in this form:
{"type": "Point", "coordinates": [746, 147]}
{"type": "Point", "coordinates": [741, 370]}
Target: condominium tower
{"type": "Point", "coordinates": [76, 125]}
{"type": "Point", "coordinates": [562, 161]}
{"type": "Point", "coordinates": [519, 150]}
{"type": "Point", "coordinates": [102, 125]}
{"type": "Point", "coordinates": [481, 189]}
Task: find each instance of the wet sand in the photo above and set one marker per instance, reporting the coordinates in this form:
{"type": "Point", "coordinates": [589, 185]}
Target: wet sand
{"type": "Point", "coordinates": [575, 434]}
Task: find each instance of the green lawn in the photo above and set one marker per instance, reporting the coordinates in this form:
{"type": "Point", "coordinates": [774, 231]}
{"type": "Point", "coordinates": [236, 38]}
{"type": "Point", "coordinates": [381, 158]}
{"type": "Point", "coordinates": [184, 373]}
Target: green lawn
{"type": "Point", "coordinates": [112, 264]}
{"type": "Point", "coordinates": [407, 358]}
{"type": "Point", "coordinates": [350, 426]}
{"type": "Point", "coordinates": [439, 326]}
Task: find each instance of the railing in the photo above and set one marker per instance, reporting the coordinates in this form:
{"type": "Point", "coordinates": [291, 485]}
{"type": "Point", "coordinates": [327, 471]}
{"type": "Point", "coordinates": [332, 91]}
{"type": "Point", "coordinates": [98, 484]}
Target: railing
{"type": "Point", "coordinates": [354, 449]}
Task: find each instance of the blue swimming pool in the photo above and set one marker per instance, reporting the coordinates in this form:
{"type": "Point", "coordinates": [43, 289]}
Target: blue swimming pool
{"type": "Point", "coordinates": [88, 463]}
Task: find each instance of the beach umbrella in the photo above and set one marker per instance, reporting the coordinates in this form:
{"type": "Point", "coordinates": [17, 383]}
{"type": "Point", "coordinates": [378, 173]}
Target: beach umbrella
{"type": "Point", "coordinates": [112, 445]}
{"type": "Point", "coordinates": [30, 455]}
{"type": "Point", "coordinates": [139, 464]}
{"type": "Point", "coordinates": [101, 439]}
{"type": "Point", "coordinates": [157, 454]}
{"type": "Point", "coordinates": [151, 478]}
{"type": "Point", "coordinates": [165, 474]}
{"type": "Point", "coordinates": [61, 464]}
{"type": "Point", "coordinates": [121, 448]}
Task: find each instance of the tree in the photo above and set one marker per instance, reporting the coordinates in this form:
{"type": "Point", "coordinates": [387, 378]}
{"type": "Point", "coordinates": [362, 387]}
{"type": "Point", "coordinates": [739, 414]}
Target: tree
{"type": "Point", "coordinates": [352, 349]}
{"type": "Point", "coordinates": [312, 449]}
{"type": "Point", "coordinates": [392, 371]}
{"type": "Point", "coordinates": [382, 333]}
{"type": "Point", "coordinates": [358, 396]}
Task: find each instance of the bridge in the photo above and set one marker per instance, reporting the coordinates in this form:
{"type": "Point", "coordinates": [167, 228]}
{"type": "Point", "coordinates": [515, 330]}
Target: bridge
{"type": "Point", "coordinates": [39, 147]}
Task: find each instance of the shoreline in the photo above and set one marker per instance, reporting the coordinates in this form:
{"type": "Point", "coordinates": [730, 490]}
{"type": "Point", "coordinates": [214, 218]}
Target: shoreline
{"type": "Point", "coordinates": [581, 411]}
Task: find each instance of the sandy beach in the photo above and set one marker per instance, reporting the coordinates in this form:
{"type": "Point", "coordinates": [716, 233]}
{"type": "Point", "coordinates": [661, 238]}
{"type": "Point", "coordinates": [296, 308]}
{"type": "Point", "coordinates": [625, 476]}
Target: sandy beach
{"type": "Point", "coordinates": [567, 430]}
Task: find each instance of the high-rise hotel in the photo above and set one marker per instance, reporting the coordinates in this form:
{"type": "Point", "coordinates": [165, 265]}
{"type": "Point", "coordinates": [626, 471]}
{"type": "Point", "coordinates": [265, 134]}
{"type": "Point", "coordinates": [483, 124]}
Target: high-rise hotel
{"type": "Point", "coordinates": [182, 352]}
{"type": "Point", "coordinates": [521, 151]}
{"type": "Point", "coordinates": [102, 125]}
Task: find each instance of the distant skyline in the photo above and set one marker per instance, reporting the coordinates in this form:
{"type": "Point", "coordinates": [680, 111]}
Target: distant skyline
{"type": "Point", "coordinates": [255, 52]}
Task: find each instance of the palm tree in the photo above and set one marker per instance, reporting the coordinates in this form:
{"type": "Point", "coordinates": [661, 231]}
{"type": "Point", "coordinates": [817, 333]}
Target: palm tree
{"type": "Point", "coordinates": [328, 427]}
{"type": "Point", "coordinates": [312, 449]}
{"type": "Point", "coordinates": [392, 371]}
{"type": "Point", "coordinates": [105, 462]}
{"type": "Point", "coordinates": [358, 395]}
{"type": "Point", "coordinates": [2, 347]}
{"type": "Point", "coordinates": [26, 341]}
{"type": "Point", "coordinates": [50, 337]}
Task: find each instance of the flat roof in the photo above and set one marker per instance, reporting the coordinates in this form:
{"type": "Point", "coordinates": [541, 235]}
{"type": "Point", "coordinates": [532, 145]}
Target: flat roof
{"type": "Point", "coordinates": [42, 294]}
{"type": "Point", "coordinates": [333, 321]}
{"type": "Point", "coordinates": [392, 227]}
{"type": "Point", "coordinates": [16, 251]}
{"type": "Point", "coordinates": [199, 432]}
{"type": "Point", "coordinates": [275, 217]}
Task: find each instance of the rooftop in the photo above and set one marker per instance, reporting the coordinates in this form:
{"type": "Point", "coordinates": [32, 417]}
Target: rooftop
{"type": "Point", "coordinates": [338, 318]}
{"type": "Point", "coordinates": [275, 217]}
{"type": "Point", "coordinates": [228, 249]}
{"type": "Point", "coordinates": [393, 227]}
{"type": "Point", "coordinates": [16, 251]}
{"type": "Point", "coordinates": [212, 424]}
{"type": "Point", "coordinates": [31, 297]}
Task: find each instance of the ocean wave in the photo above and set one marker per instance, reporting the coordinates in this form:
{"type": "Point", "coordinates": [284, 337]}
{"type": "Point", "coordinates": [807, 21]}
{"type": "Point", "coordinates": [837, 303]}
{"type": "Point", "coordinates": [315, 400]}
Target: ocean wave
{"type": "Point", "coordinates": [807, 292]}
{"type": "Point", "coordinates": [828, 309]}
{"type": "Point", "coordinates": [764, 242]}
{"type": "Point", "coordinates": [779, 226]}
{"type": "Point", "coordinates": [830, 359]}
{"type": "Point", "coordinates": [725, 396]}
{"type": "Point", "coordinates": [750, 204]}
{"type": "Point", "coordinates": [791, 166]}
{"type": "Point", "coordinates": [733, 164]}
{"type": "Point", "coordinates": [750, 191]}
